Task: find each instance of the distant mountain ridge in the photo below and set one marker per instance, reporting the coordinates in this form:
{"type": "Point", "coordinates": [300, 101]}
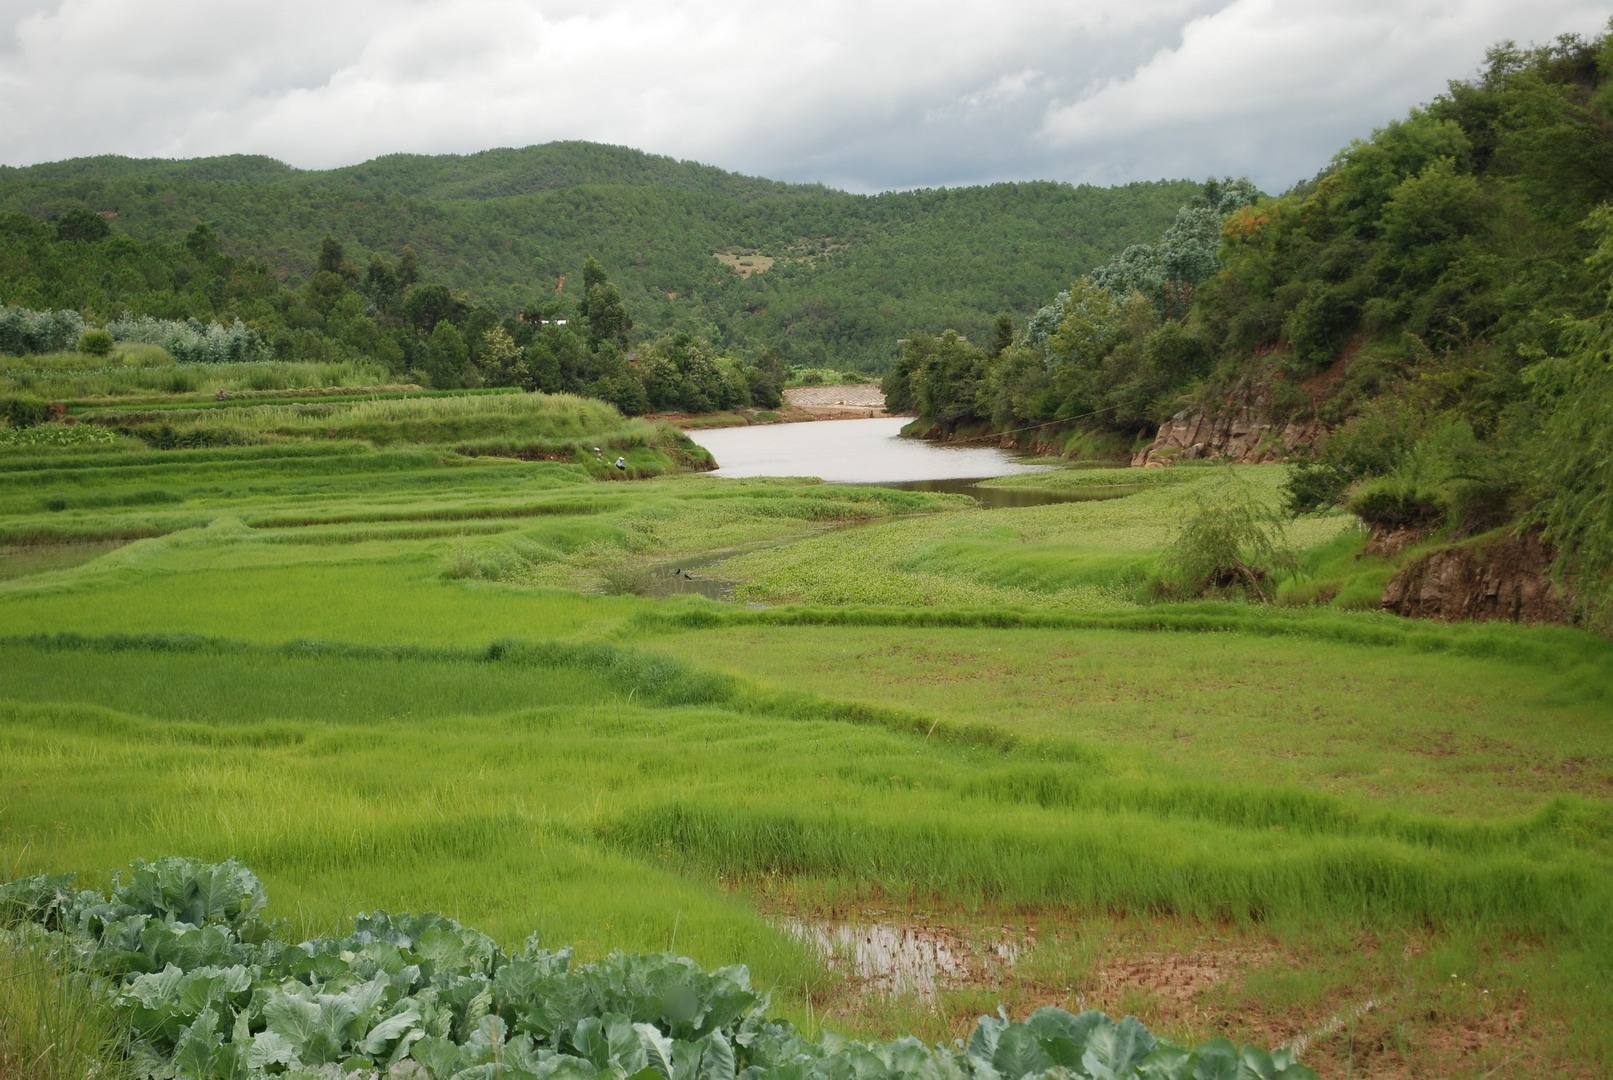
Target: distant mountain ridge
{"type": "Point", "coordinates": [849, 273]}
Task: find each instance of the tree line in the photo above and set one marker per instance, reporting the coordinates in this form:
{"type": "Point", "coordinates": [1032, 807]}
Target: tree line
{"type": "Point", "coordinates": [850, 273]}
{"type": "Point", "coordinates": [206, 306]}
{"type": "Point", "coordinates": [1437, 297]}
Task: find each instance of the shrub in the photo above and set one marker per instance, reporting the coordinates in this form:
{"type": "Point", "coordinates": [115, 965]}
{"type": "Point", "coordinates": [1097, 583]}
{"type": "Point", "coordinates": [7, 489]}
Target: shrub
{"type": "Point", "coordinates": [23, 330]}
{"type": "Point", "coordinates": [21, 412]}
{"type": "Point", "coordinates": [1231, 543]}
{"type": "Point", "coordinates": [1317, 327]}
{"type": "Point", "coordinates": [95, 343]}
{"type": "Point", "coordinates": [192, 341]}
{"type": "Point", "coordinates": [1312, 486]}
{"type": "Point", "coordinates": [1390, 502]}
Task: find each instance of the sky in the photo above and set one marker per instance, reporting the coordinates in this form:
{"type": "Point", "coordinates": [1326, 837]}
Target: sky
{"type": "Point", "coordinates": [861, 94]}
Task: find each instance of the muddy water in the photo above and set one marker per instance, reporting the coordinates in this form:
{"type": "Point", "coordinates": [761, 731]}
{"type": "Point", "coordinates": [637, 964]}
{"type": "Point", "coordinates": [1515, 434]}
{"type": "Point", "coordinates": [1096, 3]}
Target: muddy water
{"type": "Point", "coordinates": [851, 452]}
{"type": "Point", "coordinates": [906, 958]}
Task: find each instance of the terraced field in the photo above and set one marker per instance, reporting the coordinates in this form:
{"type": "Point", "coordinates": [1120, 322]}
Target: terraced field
{"type": "Point", "coordinates": [397, 651]}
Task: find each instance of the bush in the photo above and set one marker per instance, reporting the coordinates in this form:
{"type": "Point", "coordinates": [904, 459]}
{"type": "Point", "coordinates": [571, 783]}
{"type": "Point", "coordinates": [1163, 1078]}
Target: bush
{"type": "Point", "coordinates": [95, 343]}
{"type": "Point", "coordinates": [1389, 502]}
{"type": "Point", "coordinates": [191, 341]}
{"type": "Point", "coordinates": [1312, 486]}
{"type": "Point", "coordinates": [1231, 543]}
{"type": "Point", "coordinates": [20, 412]}
{"type": "Point", "coordinates": [23, 330]}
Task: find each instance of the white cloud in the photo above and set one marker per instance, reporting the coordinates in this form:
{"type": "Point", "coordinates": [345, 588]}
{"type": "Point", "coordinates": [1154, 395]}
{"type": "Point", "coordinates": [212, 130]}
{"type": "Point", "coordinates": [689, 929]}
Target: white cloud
{"type": "Point", "coordinates": [1273, 87]}
{"type": "Point", "coordinates": [865, 94]}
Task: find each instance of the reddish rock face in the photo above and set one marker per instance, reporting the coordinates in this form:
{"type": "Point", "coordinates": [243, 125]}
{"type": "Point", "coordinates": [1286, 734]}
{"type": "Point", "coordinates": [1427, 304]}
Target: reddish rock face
{"type": "Point", "coordinates": [1244, 434]}
{"type": "Point", "coordinates": [1504, 579]}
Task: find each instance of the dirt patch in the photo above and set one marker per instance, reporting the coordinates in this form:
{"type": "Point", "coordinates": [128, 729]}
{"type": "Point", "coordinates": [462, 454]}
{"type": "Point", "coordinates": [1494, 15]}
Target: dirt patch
{"type": "Point", "coordinates": [1244, 427]}
{"type": "Point", "coordinates": [1177, 977]}
{"type": "Point", "coordinates": [745, 263]}
{"type": "Point", "coordinates": [1391, 542]}
{"type": "Point", "coordinates": [1384, 1018]}
{"type": "Point", "coordinates": [842, 395]}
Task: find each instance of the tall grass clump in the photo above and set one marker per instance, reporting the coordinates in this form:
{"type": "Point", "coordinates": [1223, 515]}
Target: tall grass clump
{"type": "Point", "coordinates": [55, 1023]}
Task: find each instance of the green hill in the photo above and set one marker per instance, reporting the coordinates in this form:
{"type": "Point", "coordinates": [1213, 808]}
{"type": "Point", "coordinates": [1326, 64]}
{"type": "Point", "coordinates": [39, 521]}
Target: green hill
{"type": "Point", "coordinates": [1427, 326]}
{"type": "Point", "coordinates": [840, 276]}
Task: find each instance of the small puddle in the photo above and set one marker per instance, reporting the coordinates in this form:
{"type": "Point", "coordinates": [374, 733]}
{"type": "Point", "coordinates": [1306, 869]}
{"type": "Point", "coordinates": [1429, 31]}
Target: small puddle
{"type": "Point", "coordinates": [686, 579]}
{"type": "Point", "coordinates": [907, 959]}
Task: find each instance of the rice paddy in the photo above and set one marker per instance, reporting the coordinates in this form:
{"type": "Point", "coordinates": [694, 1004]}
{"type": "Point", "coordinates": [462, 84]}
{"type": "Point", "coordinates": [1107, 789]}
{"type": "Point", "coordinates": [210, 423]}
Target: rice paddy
{"type": "Point", "coordinates": [390, 650]}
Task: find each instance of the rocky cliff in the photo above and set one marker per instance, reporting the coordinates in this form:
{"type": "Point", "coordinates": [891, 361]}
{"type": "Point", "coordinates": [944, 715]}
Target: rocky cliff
{"type": "Point", "coordinates": [1243, 432]}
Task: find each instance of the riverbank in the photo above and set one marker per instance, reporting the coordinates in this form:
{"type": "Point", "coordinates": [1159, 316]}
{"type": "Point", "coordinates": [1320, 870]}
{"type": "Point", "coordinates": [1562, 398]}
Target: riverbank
{"type": "Point", "coordinates": [1061, 439]}
{"type": "Point", "coordinates": [842, 401]}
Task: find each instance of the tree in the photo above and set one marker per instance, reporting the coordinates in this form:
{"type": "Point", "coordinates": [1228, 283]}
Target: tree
{"type": "Point", "coordinates": [408, 266]}
{"type": "Point", "coordinates": [427, 305]}
{"type": "Point", "coordinates": [947, 377]}
{"type": "Point", "coordinates": [1002, 334]}
{"type": "Point", "coordinates": [81, 224]}
{"type": "Point", "coordinates": [446, 356]}
{"type": "Point", "coordinates": [332, 258]}
{"type": "Point", "coordinates": [1573, 452]}
{"type": "Point", "coordinates": [607, 317]}
{"type": "Point", "coordinates": [500, 360]}
{"type": "Point", "coordinates": [381, 283]}
{"type": "Point", "coordinates": [601, 308]}
{"type": "Point", "coordinates": [201, 241]}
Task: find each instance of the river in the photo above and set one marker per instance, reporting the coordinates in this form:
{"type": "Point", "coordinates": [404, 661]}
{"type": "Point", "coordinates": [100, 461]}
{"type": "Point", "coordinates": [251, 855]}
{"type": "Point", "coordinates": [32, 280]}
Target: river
{"type": "Point", "coordinates": [851, 452]}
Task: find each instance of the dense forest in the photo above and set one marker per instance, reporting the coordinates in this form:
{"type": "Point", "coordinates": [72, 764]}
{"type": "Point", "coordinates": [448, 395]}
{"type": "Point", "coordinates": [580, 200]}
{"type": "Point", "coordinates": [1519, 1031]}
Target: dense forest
{"type": "Point", "coordinates": [203, 306]}
{"type": "Point", "coordinates": [1437, 298]}
{"type": "Point", "coordinates": [823, 276]}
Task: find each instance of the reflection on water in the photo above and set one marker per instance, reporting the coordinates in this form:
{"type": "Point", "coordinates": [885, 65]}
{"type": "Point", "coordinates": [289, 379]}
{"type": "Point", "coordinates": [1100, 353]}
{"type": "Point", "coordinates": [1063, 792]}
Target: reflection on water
{"type": "Point", "coordinates": [850, 452]}
{"type": "Point", "coordinates": [687, 578]}
{"type": "Point", "coordinates": [907, 958]}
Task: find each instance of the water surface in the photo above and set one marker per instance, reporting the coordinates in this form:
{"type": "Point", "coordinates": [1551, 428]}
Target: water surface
{"type": "Point", "coordinates": [851, 452]}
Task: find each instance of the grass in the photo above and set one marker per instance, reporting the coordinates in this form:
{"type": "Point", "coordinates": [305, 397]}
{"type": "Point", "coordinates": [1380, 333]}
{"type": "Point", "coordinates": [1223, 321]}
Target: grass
{"type": "Point", "coordinates": [135, 370]}
{"type": "Point", "coordinates": [380, 656]}
{"type": "Point", "coordinates": [1089, 556]}
{"type": "Point", "coordinates": [54, 1025]}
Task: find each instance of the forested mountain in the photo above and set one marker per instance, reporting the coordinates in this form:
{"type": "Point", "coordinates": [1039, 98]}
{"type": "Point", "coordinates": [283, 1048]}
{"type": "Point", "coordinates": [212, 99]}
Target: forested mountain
{"type": "Point", "coordinates": [824, 276]}
{"type": "Point", "coordinates": [1438, 303]}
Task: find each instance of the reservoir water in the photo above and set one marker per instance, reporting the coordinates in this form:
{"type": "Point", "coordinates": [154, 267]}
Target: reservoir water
{"type": "Point", "coordinates": [851, 452]}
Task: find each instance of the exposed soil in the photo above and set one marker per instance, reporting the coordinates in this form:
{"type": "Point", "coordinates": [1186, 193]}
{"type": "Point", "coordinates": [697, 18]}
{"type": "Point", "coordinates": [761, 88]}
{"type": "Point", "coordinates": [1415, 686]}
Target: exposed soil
{"type": "Point", "coordinates": [859, 396]}
{"type": "Point", "coordinates": [1242, 428]}
{"type": "Point", "coordinates": [852, 401]}
{"type": "Point", "coordinates": [1211, 981]}
{"type": "Point", "coordinates": [1178, 978]}
{"type": "Point", "coordinates": [745, 263]}
{"type": "Point", "coordinates": [1391, 542]}
{"type": "Point", "coordinates": [1507, 578]}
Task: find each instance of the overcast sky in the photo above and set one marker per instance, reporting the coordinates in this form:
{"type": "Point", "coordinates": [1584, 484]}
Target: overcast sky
{"type": "Point", "coordinates": [864, 95]}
